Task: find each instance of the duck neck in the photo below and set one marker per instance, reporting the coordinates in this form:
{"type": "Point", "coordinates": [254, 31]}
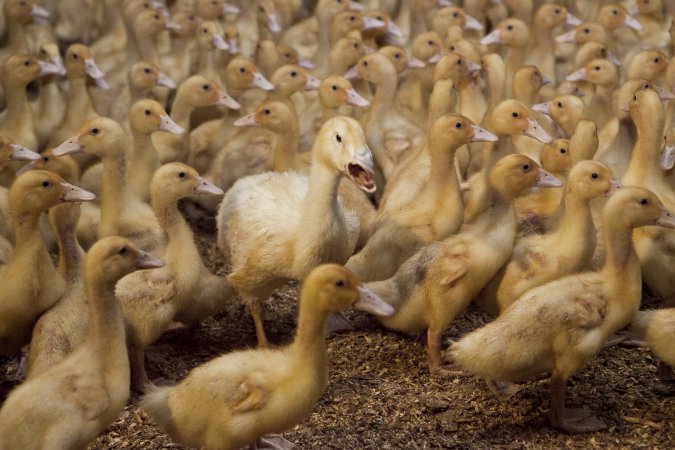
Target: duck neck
{"type": "Point", "coordinates": [16, 38]}
{"type": "Point", "coordinates": [576, 219]}
{"type": "Point", "coordinates": [321, 198]}
{"type": "Point", "coordinates": [106, 324]}
{"type": "Point", "coordinates": [114, 189]}
{"type": "Point", "coordinates": [286, 149]}
{"type": "Point", "coordinates": [180, 112]}
{"type": "Point", "coordinates": [207, 65]}
{"type": "Point", "coordinates": [26, 231]}
{"type": "Point", "coordinates": [619, 245]}
{"type": "Point", "coordinates": [18, 109]}
{"type": "Point", "coordinates": [328, 112]}
{"type": "Point", "coordinates": [146, 48]}
{"type": "Point", "coordinates": [443, 171]}
{"type": "Point", "coordinates": [78, 101]}
{"type": "Point", "coordinates": [310, 337]}
{"type": "Point", "coordinates": [644, 161]}
{"type": "Point", "coordinates": [515, 57]}
{"type": "Point", "coordinates": [383, 99]}
{"type": "Point", "coordinates": [143, 154]}
{"type": "Point", "coordinates": [70, 254]}
{"type": "Point", "coordinates": [171, 221]}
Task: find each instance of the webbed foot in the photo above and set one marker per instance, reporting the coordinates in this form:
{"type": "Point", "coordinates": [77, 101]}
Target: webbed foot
{"type": "Point", "coordinates": [338, 322]}
{"type": "Point", "coordinates": [503, 389]}
{"type": "Point", "coordinates": [272, 442]}
{"type": "Point", "coordinates": [577, 420]}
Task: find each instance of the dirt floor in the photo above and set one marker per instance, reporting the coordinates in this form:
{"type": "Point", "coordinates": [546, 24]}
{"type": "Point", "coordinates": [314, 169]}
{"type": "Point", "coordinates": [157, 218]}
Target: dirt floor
{"type": "Point", "coordinates": [380, 395]}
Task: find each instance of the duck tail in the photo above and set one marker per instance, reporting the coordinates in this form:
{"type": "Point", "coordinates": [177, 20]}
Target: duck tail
{"type": "Point", "coordinates": [156, 403]}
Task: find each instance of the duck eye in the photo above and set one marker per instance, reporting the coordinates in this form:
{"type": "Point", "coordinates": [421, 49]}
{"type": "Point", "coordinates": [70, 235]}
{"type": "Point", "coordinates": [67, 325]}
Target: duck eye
{"type": "Point", "coordinates": [459, 62]}
{"type": "Point", "coordinates": [45, 158]}
{"type": "Point", "coordinates": [122, 251]}
{"type": "Point", "coordinates": [526, 167]}
{"type": "Point", "coordinates": [339, 283]}
{"type": "Point", "coordinates": [146, 70]}
{"type": "Point", "coordinates": [352, 18]}
{"type": "Point", "coordinates": [379, 17]}
{"type": "Point", "coordinates": [458, 124]}
{"type": "Point", "coordinates": [397, 56]}
{"type": "Point", "coordinates": [586, 30]}
{"type": "Point", "coordinates": [597, 68]}
{"type": "Point", "coordinates": [615, 12]}
{"type": "Point", "coordinates": [603, 51]}
{"type": "Point", "coordinates": [94, 131]}
{"type": "Point", "coordinates": [181, 174]}
{"type": "Point", "coordinates": [644, 201]}
{"type": "Point", "coordinates": [156, 16]}
{"type": "Point", "coordinates": [191, 17]}
{"type": "Point", "coordinates": [338, 138]}
{"type": "Point", "coordinates": [594, 175]}
{"type": "Point", "coordinates": [455, 14]}
{"type": "Point", "coordinates": [206, 87]}
{"type": "Point", "coordinates": [267, 111]}
{"type": "Point", "coordinates": [646, 86]}
{"type": "Point", "coordinates": [334, 87]}
{"type": "Point", "coordinates": [365, 63]}
{"type": "Point", "coordinates": [147, 112]}
{"type": "Point", "coordinates": [288, 55]}
{"type": "Point", "coordinates": [293, 74]}
{"type": "Point", "coordinates": [563, 150]}
{"type": "Point", "coordinates": [355, 45]}
{"type": "Point", "coordinates": [242, 69]}
{"type": "Point", "coordinates": [509, 27]}
{"type": "Point", "coordinates": [46, 184]}
{"type": "Point", "coordinates": [75, 56]}
{"type": "Point", "coordinates": [452, 48]}
{"type": "Point", "coordinates": [26, 63]}
{"type": "Point", "coordinates": [514, 115]}
{"type": "Point", "coordinates": [557, 11]}
{"type": "Point", "coordinates": [656, 60]}
{"type": "Point", "coordinates": [430, 42]}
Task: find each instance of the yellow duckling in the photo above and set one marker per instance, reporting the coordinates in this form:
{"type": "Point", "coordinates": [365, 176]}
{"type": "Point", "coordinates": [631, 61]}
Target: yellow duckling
{"type": "Point", "coordinates": [657, 328]}
{"type": "Point", "coordinates": [437, 283]}
{"type": "Point", "coordinates": [237, 398]}
{"type": "Point", "coordinates": [560, 326]}
{"type": "Point", "coordinates": [69, 404]}
{"type": "Point", "coordinates": [30, 282]}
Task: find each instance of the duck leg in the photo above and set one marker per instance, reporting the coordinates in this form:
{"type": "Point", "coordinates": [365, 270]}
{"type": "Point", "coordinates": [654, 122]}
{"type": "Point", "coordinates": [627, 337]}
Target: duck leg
{"type": "Point", "coordinates": [272, 442]}
{"type": "Point", "coordinates": [571, 420]}
{"type": "Point", "coordinates": [257, 310]}
{"type": "Point", "coordinates": [137, 365]}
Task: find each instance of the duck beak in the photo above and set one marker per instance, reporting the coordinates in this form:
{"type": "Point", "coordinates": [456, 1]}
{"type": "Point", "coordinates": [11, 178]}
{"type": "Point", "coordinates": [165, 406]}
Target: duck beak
{"type": "Point", "coordinates": [666, 219]}
{"type": "Point", "coordinates": [92, 69]}
{"type": "Point", "coordinates": [361, 170]}
{"type": "Point", "coordinates": [394, 30]}
{"type": "Point", "coordinates": [632, 10]}
{"type": "Point", "coordinates": [545, 179]}
{"type": "Point", "coordinates": [491, 38]}
{"type": "Point", "coordinates": [20, 153]}
{"type": "Point", "coordinates": [69, 147]}
{"type": "Point", "coordinates": [261, 82]}
{"type": "Point", "coordinates": [249, 120]}
{"type": "Point", "coordinates": [38, 12]}
{"type": "Point", "coordinates": [370, 23]}
{"type": "Point", "coordinates": [218, 42]}
{"type": "Point", "coordinates": [570, 36]}
{"type": "Point", "coordinates": [368, 50]}
{"type": "Point", "coordinates": [75, 194]}
{"type": "Point", "coordinates": [101, 83]}
{"type": "Point", "coordinates": [353, 73]}
{"type": "Point", "coordinates": [663, 94]}
{"type": "Point", "coordinates": [535, 131]}
{"type": "Point", "coordinates": [230, 9]}
{"type": "Point", "coordinates": [369, 302]}
{"type": "Point", "coordinates": [354, 99]}
{"type": "Point", "coordinates": [577, 75]}
{"type": "Point", "coordinates": [545, 80]}
{"type": "Point", "coordinates": [234, 46]}
{"type": "Point", "coordinates": [443, 3]}
{"type": "Point", "coordinates": [26, 167]}
{"type": "Point", "coordinates": [312, 83]}
{"type": "Point", "coordinates": [473, 67]}
{"type": "Point", "coordinates": [544, 108]}
{"type": "Point", "coordinates": [482, 135]}
{"type": "Point", "coordinates": [226, 100]}
{"type": "Point", "coordinates": [615, 185]}
{"type": "Point", "coordinates": [632, 22]}
{"type": "Point", "coordinates": [166, 81]}
{"type": "Point", "coordinates": [355, 6]}
{"type": "Point", "coordinates": [206, 188]}
{"type": "Point", "coordinates": [272, 23]}
{"type": "Point", "coordinates": [572, 20]}
{"type": "Point", "coordinates": [306, 63]}
{"type": "Point", "coordinates": [437, 57]}
{"type": "Point", "coordinates": [170, 25]}
{"type": "Point", "coordinates": [48, 68]}
{"type": "Point", "coordinates": [415, 63]}
{"type": "Point", "coordinates": [613, 59]}
{"type": "Point", "coordinates": [667, 159]}
{"type": "Point", "coordinates": [147, 261]}
{"type": "Point", "coordinates": [167, 124]}
{"type": "Point", "coordinates": [470, 23]}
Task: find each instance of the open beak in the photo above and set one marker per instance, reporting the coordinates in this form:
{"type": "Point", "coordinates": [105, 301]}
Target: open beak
{"type": "Point", "coordinates": [370, 23]}
{"type": "Point", "coordinates": [361, 171]}
{"type": "Point", "coordinates": [272, 23]}
{"type": "Point", "coordinates": [20, 153]}
{"type": "Point", "coordinates": [306, 63]}
{"type": "Point", "coordinates": [491, 38]}
{"type": "Point", "coordinates": [206, 188]}
{"type": "Point", "coordinates": [226, 100]}
{"type": "Point", "coordinates": [535, 131]}
{"type": "Point", "coordinates": [369, 302]}
{"type": "Point", "coordinates": [75, 194]}
{"type": "Point", "coordinates": [69, 147]}
{"type": "Point", "coordinates": [666, 219]}
{"type": "Point", "coordinates": [92, 69]}
{"type": "Point", "coordinates": [577, 75]}
{"type": "Point", "coordinates": [164, 80]}
{"type": "Point", "coordinates": [570, 36]}
{"type": "Point", "coordinates": [415, 63]}
{"type": "Point", "coordinates": [261, 82]}
{"type": "Point", "coordinates": [572, 20]}
{"type": "Point", "coordinates": [147, 261]}
{"type": "Point", "coordinates": [470, 23]}
{"type": "Point", "coordinates": [353, 73]}
{"type": "Point", "coordinates": [482, 135]}
{"type": "Point", "coordinates": [218, 42]}
{"type": "Point", "coordinates": [667, 159]}
{"type": "Point", "coordinates": [544, 108]}
{"type": "Point", "coordinates": [354, 99]}
{"type": "Point", "coordinates": [167, 124]}
{"type": "Point", "coordinates": [545, 179]}
{"type": "Point", "coordinates": [249, 120]}
{"type": "Point", "coordinates": [312, 83]}
{"type": "Point", "coordinates": [632, 22]}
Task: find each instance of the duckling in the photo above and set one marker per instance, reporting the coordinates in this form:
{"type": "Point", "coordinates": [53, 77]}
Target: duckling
{"type": "Point", "coordinates": [31, 284]}
{"type": "Point", "coordinates": [656, 328]}
{"type": "Point", "coordinates": [195, 92]}
{"type": "Point", "coordinates": [584, 142]}
{"type": "Point", "coordinates": [70, 403]}
{"type": "Point", "coordinates": [269, 57]}
{"type": "Point", "coordinates": [560, 326]}
{"type": "Point", "coordinates": [586, 32]}
{"type": "Point", "coordinates": [268, 25]}
{"type": "Point", "coordinates": [48, 109]}
{"type": "Point", "coordinates": [436, 213]}
{"type": "Point", "coordinates": [527, 81]}
{"type": "Point", "coordinates": [344, 54]}
{"type": "Point", "coordinates": [471, 103]}
{"type": "Point", "coordinates": [566, 110]}
{"type": "Point", "coordinates": [340, 150]}
{"type": "Point", "coordinates": [648, 64]}
{"type": "Point", "coordinates": [593, 50]}
{"type": "Point", "coordinates": [210, 38]}
{"type": "Point", "coordinates": [16, 72]}
{"type": "Point", "coordinates": [122, 212]}
{"type": "Point", "coordinates": [177, 61]}
{"type": "Point", "coordinates": [540, 258]}
{"type": "Point", "coordinates": [18, 14]}
{"type": "Point", "coordinates": [265, 390]}
{"type": "Point", "coordinates": [449, 16]}
{"type": "Point", "coordinates": [183, 290]}
{"type": "Point", "coordinates": [437, 283]}
{"type": "Point", "coordinates": [514, 34]}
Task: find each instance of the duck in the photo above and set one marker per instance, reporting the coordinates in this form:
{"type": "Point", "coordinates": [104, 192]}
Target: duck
{"type": "Point", "coordinates": [31, 283]}
{"type": "Point", "coordinates": [48, 109]}
{"type": "Point", "coordinates": [515, 34]}
{"type": "Point", "coordinates": [604, 77]}
{"type": "Point", "coordinates": [667, 159]}
{"type": "Point", "coordinates": [183, 290]}
{"type": "Point", "coordinates": [648, 64]}
{"type": "Point", "coordinates": [63, 326]}
{"type": "Point", "coordinates": [436, 213]}
{"type": "Point", "coordinates": [122, 212]}
{"type": "Point", "coordinates": [559, 326]}
{"type": "Point", "coordinates": [16, 72]}
{"type": "Point", "coordinates": [655, 327]}
{"type": "Point", "coordinates": [291, 248]}
{"type": "Point", "coordinates": [470, 100]}
{"type": "Point", "coordinates": [73, 401]}
{"type": "Point", "coordinates": [177, 60]}
{"type": "Point", "coordinates": [344, 55]}
{"type": "Point", "coordinates": [566, 110]}
{"type": "Point", "coordinates": [527, 81]}
{"type": "Point", "coordinates": [452, 15]}
{"type": "Point", "coordinates": [270, 56]}
{"type": "Point", "coordinates": [568, 248]}
{"type": "Point", "coordinates": [195, 92]}
{"type": "Point", "coordinates": [256, 392]}
{"type": "Point", "coordinates": [210, 39]}
{"type": "Point", "coordinates": [18, 14]}
{"type": "Point", "coordinates": [438, 282]}
{"type": "Point", "coordinates": [584, 142]}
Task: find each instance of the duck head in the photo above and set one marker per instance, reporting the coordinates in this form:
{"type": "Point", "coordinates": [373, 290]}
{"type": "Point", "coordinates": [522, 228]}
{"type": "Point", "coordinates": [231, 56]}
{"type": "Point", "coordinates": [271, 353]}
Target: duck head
{"type": "Point", "coordinates": [514, 173]}
{"type": "Point", "coordinates": [144, 75]}
{"type": "Point", "coordinates": [174, 181]}
{"type": "Point", "coordinates": [11, 151]}
{"type": "Point", "coordinates": [510, 32]}
{"type": "Point", "coordinates": [35, 191]}
{"type": "Point", "coordinates": [337, 91]}
{"type": "Point", "coordinates": [512, 117]}
{"type": "Point", "coordinates": [113, 257]}
{"type": "Point", "coordinates": [19, 70]}
{"type": "Point", "coordinates": [592, 179]}
{"type": "Point", "coordinates": [147, 116]}
{"type": "Point", "coordinates": [242, 74]}
{"type": "Point", "coordinates": [199, 91]}
{"type": "Point", "coordinates": [555, 156]}
{"type": "Point", "coordinates": [272, 115]}
{"type": "Point", "coordinates": [292, 78]}
{"type": "Point", "coordinates": [99, 136]}
{"type": "Point", "coordinates": [399, 58]}
{"type": "Point", "coordinates": [637, 207]}
{"type": "Point", "coordinates": [209, 36]}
